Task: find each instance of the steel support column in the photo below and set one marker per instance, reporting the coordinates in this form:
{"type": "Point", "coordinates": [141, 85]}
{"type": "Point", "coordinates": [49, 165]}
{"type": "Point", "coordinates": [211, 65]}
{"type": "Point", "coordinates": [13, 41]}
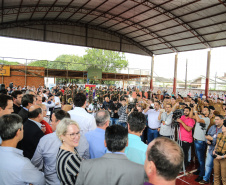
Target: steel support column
{"type": "Point", "coordinates": [152, 70]}
{"type": "Point", "coordinates": [175, 75]}
{"type": "Point", "coordinates": [208, 73]}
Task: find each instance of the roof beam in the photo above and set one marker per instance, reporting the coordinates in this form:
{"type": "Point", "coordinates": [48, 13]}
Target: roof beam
{"type": "Point", "coordinates": [178, 20]}
{"type": "Point", "coordinates": [185, 38]}
{"type": "Point", "coordinates": [122, 13]}
{"type": "Point", "coordinates": [109, 16]}
{"type": "Point", "coordinates": [63, 9]}
{"type": "Point", "coordinates": [34, 10]}
{"type": "Point", "coordinates": [214, 24]}
{"type": "Point", "coordinates": [21, 1]}
{"type": "Point", "coordinates": [49, 9]}
{"type": "Point", "coordinates": [217, 4]}
{"type": "Point", "coordinates": [92, 10]}
{"type": "Point", "coordinates": [192, 12]}
{"type": "Point", "coordinates": [160, 14]}
{"type": "Point", "coordinates": [191, 21]}
{"type": "Point", "coordinates": [138, 15]}
{"type": "Point", "coordinates": [191, 44]}
{"type": "Point", "coordinates": [223, 3]}
{"type": "Point", "coordinates": [77, 10]}
{"type": "Point", "coordinates": [53, 22]}
{"type": "Point", "coordinates": [107, 11]}
{"type": "Point", "coordinates": [2, 10]}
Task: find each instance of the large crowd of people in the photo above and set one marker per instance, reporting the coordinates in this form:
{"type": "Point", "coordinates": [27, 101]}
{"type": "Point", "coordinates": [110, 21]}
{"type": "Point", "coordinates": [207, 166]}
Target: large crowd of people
{"type": "Point", "coordinates": [107, 135]}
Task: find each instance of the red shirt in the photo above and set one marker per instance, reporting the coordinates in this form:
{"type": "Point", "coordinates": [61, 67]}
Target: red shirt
{"type": "Point", "coordinates": [184, 135]}
{"type": "Point", "coordinates": [48, 127]}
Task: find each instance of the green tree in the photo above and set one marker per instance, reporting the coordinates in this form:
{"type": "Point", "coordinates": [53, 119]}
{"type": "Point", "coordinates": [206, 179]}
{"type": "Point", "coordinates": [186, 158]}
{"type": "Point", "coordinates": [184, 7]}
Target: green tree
{"type": "Point", "coordinates": [108, 61]}
{"type": "Point", "coordinates": [70, 62]}
{"type": "Point", "coordinates": [8, 62]}
{"type": "Point", "coordinates": [38, 63]}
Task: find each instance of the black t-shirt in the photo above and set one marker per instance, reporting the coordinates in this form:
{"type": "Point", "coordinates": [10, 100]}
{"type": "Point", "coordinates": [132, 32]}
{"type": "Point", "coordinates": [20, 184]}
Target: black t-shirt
{"type": "Point", "coordinates": [106, 105]}
{"type": "Point", "coordinates": [114, 107]}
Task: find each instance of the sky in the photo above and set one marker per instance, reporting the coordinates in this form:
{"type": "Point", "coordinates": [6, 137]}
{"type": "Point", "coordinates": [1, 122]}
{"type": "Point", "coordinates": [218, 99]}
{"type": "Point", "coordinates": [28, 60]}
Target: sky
{"type": "Point", "coordinates": [163, 64]}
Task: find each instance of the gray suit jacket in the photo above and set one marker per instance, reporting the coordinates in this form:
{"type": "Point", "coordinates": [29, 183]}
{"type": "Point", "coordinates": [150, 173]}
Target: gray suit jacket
{"type": "Point", "coordinates": [111, 169]}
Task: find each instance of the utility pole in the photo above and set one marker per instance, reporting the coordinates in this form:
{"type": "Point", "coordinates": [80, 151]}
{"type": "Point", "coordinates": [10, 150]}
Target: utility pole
{"type": "Point", "coordinates": [186, 73]}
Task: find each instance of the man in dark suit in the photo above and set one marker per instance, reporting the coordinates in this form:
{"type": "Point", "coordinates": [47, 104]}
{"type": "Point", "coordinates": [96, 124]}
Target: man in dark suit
{"type": "Point", "coordinates": [27, 101]}
{"type": "Point", "coordinates": [113, 167]}
{"type": "Point", "coordinates": [33, 131]}
{"type": "Point", "coordinates": [17, 97]}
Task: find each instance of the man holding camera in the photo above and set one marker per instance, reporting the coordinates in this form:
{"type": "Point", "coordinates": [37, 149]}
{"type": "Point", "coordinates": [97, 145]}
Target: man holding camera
{"type": "Point", "coordinates": [113, 109]}
{"type": "Point", "coordinates": [166, 120]}
{"type": "Point", "coordinates": [185, 134]}
{"type": "Point", "coordinates": [202, 123]}
{"type": "Point", "coordinates": [211, 139]}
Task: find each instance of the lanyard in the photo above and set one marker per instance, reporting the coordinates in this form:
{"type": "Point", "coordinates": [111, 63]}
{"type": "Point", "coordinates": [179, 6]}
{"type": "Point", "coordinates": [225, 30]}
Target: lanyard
{"type": "Point", "coordinates": [217, 130]}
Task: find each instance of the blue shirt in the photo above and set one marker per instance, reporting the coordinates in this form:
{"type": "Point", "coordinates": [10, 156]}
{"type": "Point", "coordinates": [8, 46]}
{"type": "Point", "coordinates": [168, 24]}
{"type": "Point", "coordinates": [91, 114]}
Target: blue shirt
{"type": "Point", "coordinates": [213, 132]}
{"type": "Point", "coordinates": [16, 169]}
{"type": "Point", "coordinates": [136, 150]}
{"type": "Point", "coordinates": [46, 153]}
{"type": "Point", "coordinates": [95, 139]}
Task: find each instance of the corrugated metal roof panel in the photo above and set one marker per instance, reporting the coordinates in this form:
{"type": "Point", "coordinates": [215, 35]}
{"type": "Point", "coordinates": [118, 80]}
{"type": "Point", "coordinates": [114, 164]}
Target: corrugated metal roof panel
{"type": "Point", "coordinates": [148, 26]}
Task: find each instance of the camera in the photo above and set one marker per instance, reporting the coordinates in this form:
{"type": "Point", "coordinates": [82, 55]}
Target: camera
{"type": "Point", "coordinates": [217, 153]}
{"type": "Point", "coordinates": [203, 125]}
{"type": "Point", "coordinates": [131, 106]}
{"type": "Point", "coordinates": [176, 115]}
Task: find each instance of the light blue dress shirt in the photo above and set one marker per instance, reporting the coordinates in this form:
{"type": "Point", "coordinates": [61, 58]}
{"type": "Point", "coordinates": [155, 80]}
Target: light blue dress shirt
{"type": "Point", "coordinates": [95, 139]}
{"type": "Point", "coordinates": [46, 153]}
{"type": "Point", "coordinates": [153, 121]}
{"type": "Point", "coordinates": [16, 169]}
{"type": "Point", "coordinates": [136, 150]}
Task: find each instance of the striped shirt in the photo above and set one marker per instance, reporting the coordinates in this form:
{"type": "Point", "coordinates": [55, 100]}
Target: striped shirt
{"type": "Point", "coordinates": [122, 114]}
{"type": "Point", "coordinates": [67, 166]}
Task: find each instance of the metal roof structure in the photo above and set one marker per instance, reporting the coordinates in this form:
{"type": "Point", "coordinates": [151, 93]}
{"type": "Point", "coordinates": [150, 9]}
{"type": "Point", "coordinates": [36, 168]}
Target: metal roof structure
{"type": "Point", "coordinates": [143, 27]}
{"type": "Point", "coordinates": [60, 73]}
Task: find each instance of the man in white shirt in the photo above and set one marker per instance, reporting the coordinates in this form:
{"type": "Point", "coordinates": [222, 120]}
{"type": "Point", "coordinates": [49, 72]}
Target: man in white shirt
{"type": "Point", "coordinates": [80, 115]}
{"type": "Point", "coordinates": [153, 122]}
{"type": "Point", "coordinates": [57, 101]}
{"type": "Point", "coordinates": [49, 103]}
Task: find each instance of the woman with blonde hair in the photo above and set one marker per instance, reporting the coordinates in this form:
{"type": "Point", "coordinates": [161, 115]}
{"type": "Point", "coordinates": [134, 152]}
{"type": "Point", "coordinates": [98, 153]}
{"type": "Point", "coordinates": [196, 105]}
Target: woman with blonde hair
{"type": "Point", "coordinates": [68, 159]}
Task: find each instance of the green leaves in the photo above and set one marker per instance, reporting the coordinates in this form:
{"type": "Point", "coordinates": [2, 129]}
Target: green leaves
{"type": "Point", "coordinates": [108, 61]}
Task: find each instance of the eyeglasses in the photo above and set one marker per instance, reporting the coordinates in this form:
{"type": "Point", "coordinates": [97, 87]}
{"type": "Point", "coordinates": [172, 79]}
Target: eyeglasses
{"type": "Point", "coordinates": [73, 135]}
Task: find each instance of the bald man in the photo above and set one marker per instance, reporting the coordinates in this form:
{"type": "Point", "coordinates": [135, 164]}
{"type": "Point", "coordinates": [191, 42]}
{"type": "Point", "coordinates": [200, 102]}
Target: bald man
{"type": "Point", "coordinates": [33, 131]}
{"type": "Point", "coordinates": [164, 160]}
